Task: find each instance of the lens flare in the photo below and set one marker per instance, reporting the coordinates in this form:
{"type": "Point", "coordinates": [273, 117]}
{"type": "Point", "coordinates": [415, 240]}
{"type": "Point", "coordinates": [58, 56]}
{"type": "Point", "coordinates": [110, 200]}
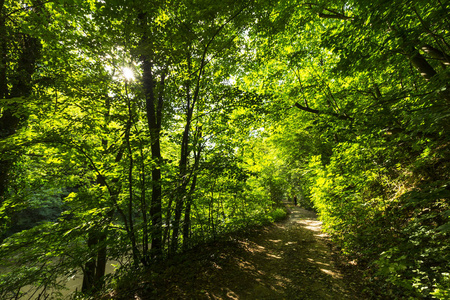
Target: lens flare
{"type": "Point", "coordinates": [128, 74]}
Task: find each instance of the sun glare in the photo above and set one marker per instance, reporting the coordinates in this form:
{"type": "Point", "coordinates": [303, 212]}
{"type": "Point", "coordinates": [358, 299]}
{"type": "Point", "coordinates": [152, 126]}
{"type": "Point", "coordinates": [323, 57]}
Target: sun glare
{"type": "Point", "coordinates": [128, 74]}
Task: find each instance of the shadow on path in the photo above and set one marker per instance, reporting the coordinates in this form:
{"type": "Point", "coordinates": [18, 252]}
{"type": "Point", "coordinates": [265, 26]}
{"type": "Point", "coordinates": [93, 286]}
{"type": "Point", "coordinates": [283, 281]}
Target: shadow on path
{"type": "Point", "coordinates": [287, 260]}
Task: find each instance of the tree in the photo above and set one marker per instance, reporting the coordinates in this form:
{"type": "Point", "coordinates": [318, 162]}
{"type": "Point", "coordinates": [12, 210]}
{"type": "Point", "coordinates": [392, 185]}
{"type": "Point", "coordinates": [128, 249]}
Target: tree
{"type": "Point", "coordinates": [362, 81]}
{"type": "Point", "coordinates": [19, 53]}
{"type": "Point", "coordinates": [103, 134]}
{"type": "Point", "coordinates": [226, 108]}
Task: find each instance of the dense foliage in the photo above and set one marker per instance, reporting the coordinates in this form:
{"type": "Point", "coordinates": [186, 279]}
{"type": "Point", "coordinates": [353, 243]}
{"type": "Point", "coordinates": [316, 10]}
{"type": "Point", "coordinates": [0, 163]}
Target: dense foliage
{"type": "Point", "coordinates": [366, 131]}
{"type": "Point", "coordinates": [131, 130]}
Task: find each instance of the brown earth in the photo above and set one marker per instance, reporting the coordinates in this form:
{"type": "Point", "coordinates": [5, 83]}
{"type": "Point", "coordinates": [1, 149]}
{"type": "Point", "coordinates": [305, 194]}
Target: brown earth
{"type": "Point", "coordinates": [291, 259]}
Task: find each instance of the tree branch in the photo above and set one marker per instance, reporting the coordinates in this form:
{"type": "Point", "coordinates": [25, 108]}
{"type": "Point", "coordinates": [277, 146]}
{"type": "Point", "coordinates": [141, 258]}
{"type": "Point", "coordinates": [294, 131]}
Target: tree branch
{"type": "Point", "coordinates": [334, 16]}
{"type": "Point", "coordinates": [318, 112]}
{"type": "Point", "coordinates": [332, 13]}
{"type": "Point", "coordinates": [314, 111]}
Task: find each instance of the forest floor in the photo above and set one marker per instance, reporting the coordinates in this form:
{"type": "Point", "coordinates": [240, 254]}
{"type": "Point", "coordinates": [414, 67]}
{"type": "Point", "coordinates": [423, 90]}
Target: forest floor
{"type": "Point", "coordinates": [291, 259]}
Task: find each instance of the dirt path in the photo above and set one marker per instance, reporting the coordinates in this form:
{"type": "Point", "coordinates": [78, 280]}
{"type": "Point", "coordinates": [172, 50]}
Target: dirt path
{"type": "Point", "coordinates": [287, 260]}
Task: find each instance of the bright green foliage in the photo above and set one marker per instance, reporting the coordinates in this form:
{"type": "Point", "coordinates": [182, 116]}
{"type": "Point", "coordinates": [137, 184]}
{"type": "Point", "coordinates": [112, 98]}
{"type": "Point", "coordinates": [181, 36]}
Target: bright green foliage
{"type": "Point", "coordinates": [234, 106]}
{"type": "Point", "coordinates": [84, 153]}
{"type": "Point", "coordinates": [364, 90]}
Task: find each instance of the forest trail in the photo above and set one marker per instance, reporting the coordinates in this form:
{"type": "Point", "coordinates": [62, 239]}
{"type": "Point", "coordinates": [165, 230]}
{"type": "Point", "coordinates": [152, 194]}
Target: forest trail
{"type": "Point", "coordinates": [287, 260]}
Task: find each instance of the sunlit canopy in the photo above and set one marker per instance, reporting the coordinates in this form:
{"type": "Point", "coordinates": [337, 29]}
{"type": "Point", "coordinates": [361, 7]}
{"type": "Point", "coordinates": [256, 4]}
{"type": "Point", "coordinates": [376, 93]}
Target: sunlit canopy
{"type": "Point", "coordinates": [128, 74]}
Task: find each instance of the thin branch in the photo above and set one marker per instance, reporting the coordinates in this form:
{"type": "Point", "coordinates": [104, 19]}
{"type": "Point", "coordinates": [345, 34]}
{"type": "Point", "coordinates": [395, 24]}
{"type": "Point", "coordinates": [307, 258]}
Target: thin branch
{"type": "Point", "coordinates": [318, 112]}
{"type": "Point", "coordinates": [332, 13]}
{"type": "Point", "coordinates": [301, 88]}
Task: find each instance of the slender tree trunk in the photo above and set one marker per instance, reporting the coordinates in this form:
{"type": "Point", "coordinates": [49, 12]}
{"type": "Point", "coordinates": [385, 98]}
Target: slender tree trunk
{"type": "Point", "coordinates": [134, 248]}
{"type": "Point", "coordinates": [187, 213]}
{"type": "Point", "coordinates": [181, 196]}
{"type": "Point", "coordinates": [145, 240]}
{"type": "Point", "coordinates": [166, 236]}
{"type": "Point", "coordinates": [90, 266]}
{"type": "Point", "coordinates": [101, 259]}
{"type": "Point", "coordinates": [211, 213]}
{"type": "Point", "coordinates": [154, 106]}
{"type": "Point", "coordinates": [95, 268]}
{"type": "Point", "coordinates": [181, 191]}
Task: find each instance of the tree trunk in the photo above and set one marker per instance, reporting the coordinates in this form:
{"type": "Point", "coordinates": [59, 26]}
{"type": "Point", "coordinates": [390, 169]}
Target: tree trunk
{"type": "Point", "coordinates": [90, 266]}
{"type": "Point", "coordinates": [181, 191]}
{"type": "Point", "coordinates": [187, 215]}
{"type": "Point", "coordinates": [145, 254]}
{"type": "Point", "coordinates": [132, 235]}
{"type": "Point", "coordinates": [421, 65]}
{"type": "Point", "coordinates": [187, 212]}
{"type": "Point", "coordinates": [180, 196]}
{"type": "Point", "coordinates": [95, 268]}
{"type": "Point", "coordinates": [154, 107]}
{"type": "Point", "coordinates": [101, 260]}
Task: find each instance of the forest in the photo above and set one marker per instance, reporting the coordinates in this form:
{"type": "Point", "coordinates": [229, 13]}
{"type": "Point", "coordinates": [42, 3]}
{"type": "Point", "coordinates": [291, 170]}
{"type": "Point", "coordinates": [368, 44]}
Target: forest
{"type": "Point", "coordinates": [132, 131]}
